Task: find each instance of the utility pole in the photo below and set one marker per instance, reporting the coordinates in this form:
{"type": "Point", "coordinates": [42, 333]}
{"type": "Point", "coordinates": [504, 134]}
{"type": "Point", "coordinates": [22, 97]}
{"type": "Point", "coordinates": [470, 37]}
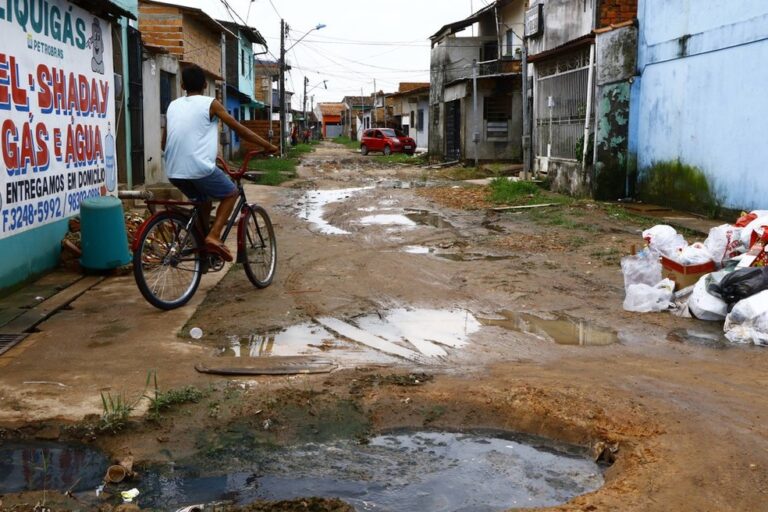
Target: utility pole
{"type": "Point", "coordinates": [475, 133]}
{"type": "Point", "coordinates": [526, 114]}
{"type": "Point", "coordinates": [282, 88]}
{"type": "Point", "coordinates": [312, 100]}
{"type": "Point", "coordinates": [304, 119]}
{"type": "Point", "coordinates": [375, 96]}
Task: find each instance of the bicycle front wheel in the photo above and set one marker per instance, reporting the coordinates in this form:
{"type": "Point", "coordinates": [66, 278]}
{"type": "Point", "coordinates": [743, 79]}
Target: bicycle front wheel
{"type": "Point", "coordinates": [167, 264]}
{"type": "Point", "coordinates": [259, 246]}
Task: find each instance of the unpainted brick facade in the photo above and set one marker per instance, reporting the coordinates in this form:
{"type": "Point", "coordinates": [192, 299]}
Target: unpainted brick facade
{"type": "Point", "coordinates": [182, 33]}
{"type": "Point", "coordinates": [613, 12]}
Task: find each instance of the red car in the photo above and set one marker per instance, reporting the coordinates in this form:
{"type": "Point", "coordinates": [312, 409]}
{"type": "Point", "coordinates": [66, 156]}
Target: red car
{"type": "Point", "coordinates": [387, 141]}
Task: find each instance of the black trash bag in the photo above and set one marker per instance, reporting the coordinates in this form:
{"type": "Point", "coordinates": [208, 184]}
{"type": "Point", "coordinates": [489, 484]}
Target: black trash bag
{"type": "Point", "coordinates": [740, 284]}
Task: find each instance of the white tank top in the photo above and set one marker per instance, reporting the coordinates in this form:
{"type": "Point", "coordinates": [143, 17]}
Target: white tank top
{"type": "Point", "coordinates": [191, 144]}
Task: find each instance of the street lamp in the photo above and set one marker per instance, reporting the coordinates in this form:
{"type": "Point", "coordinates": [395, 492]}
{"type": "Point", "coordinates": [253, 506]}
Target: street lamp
{"type": "Point", "coordinates": [283, 123]}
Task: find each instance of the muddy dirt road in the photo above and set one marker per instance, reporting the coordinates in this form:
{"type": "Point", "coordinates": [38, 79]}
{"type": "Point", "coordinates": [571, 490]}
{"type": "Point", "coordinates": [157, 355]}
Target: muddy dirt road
{"type": "Point", "coordinates": [514, 319]}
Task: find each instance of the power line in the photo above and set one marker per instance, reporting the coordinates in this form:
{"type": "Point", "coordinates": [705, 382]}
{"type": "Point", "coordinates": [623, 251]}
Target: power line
{"type": "Point", "coordinates": [275, 9]}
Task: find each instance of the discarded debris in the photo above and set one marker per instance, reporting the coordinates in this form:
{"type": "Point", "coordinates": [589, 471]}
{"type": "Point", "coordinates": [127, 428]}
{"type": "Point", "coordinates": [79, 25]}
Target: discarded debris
{"type": "Point", "coordinates": [129, 495]}
{"type": "Point", "coordinates": [289, 365]}
{"type": "Point", "coordinates": [196, 333]}
{"type": "Point", "coordinates": [523, 207]}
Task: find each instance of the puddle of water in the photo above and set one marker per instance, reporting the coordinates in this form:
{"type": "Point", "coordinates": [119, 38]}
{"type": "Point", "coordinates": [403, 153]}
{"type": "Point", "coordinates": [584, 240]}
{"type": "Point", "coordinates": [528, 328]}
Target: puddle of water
{"type": "Point", "coordinates": [563, 330]}
{"type": "Point", "coordinates": [417, 249]}
{"type": "Point", "coordinates": [712, 338]}
{"type": "Point", "coordinates": [369, 338]}
{"type": "Point", "coordinates": [312, 207]}
{"type": "Point", "coordinates": [427, 218]}
{"type": "Point", "coordinates": [425, 329]}
{"type": "Point", "coordinates": [52, 466]}
{"type": "Point", "coordinates": [308, 339]}
{"type": "Point", "coordinates": [425, 471]}
{"type": "Point", "coordinates": [387, 220]}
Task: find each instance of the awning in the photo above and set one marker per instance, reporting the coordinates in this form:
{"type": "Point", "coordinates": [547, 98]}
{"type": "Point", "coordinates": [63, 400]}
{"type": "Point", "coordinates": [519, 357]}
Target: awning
{"type": "Point", "coordinates": [457, 26]}
{"type": "Point", "coordinates": [104, 9]}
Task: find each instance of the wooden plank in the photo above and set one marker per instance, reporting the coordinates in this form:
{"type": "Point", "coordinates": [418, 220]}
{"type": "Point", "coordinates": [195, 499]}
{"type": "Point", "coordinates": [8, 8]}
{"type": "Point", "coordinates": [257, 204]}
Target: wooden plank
{"type": "Point", "coordinates": [290, 365]}
{"type": "Point", "coordinates": [365, 338]}
{"type": "Point", "coordinates": [523, 207]}
{"type": "Point", "coordinates": [44, 310]}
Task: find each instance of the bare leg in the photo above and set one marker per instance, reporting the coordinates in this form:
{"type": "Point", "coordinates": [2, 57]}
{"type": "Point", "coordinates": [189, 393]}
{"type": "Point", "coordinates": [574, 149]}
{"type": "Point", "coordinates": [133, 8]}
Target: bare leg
{"type": "Point", "coordinates": [222, 214]}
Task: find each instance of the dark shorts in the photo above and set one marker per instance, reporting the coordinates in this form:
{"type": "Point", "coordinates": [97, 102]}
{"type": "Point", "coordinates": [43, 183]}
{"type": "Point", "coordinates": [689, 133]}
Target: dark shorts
{"type": "Point", "coordinates": [216, 185]}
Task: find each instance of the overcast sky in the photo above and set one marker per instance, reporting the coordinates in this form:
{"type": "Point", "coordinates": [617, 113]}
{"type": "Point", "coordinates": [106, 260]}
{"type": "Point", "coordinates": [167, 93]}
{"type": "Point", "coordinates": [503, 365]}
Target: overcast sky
{"type": "Point", "coordinates": [364, 39]}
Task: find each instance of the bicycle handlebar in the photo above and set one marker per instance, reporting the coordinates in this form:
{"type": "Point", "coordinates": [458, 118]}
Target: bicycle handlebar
{"type": "Point", "coordinates": [236, 175]}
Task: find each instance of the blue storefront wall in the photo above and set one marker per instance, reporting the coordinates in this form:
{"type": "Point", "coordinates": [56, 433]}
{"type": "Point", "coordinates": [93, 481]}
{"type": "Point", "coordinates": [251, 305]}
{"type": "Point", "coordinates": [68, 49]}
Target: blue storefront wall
{"type": "Point", "coordinates": [700, 95]}
{"type": "Point", "coordinates": [30, 254]}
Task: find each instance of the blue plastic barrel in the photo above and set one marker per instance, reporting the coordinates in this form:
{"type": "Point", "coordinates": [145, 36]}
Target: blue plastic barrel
{"type": "Point", "coordinates": [104, 239]}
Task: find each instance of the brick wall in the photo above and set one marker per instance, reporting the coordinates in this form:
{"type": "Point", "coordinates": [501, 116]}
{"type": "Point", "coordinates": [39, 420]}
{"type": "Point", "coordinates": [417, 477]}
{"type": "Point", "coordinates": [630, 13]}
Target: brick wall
{"type": "Point", "coordinates": [161, 25]}
{"type": "Point", "coordinates": [616, 11]}
{"type": "Point", "coordinates": [259, 127]}
{"type": "Point", "coordinates": [202, 45]}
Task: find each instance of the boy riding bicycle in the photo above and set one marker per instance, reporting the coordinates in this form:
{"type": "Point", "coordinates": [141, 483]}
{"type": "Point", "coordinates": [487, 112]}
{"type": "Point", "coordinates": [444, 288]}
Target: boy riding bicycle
{"type": "Point", "coordinates": [190, 142]}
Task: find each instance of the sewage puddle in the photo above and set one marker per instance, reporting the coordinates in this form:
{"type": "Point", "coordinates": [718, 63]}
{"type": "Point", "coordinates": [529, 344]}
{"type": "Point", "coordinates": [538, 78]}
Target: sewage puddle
{"type": "Point", "coordinates": [563, 329]}
{"type": "Point", "coordinates": [401, 470]}
{"type": "Point", "coordinates": [313, 203]}
{"type": "Point", "coordinates": [454, 256]}
{"type": "Point", "coordinates": [427, 218]}
{"type": "Point", "coordinates": [52, 466]}
{"type": "Point", "coordinates": [412, 334]}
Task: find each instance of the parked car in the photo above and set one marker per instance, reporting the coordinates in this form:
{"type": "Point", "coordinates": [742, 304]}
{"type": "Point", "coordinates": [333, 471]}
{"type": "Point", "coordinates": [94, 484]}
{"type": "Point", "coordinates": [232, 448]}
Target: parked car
{"type": "Point", "coordinates": [387, 141]}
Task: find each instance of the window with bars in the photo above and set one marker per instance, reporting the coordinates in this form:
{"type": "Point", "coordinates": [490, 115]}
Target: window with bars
{"type": "Point", "coordinates": [420, 122]}
{"type": "Point", "coordinates": [497, 110]}
{"type": "Point", "coordinates": [167, 90]}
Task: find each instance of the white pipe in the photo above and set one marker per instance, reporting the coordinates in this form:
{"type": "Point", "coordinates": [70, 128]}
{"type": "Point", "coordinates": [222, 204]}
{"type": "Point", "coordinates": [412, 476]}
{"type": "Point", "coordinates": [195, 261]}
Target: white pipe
{"type": "Point", "coordinates": [590, 79]}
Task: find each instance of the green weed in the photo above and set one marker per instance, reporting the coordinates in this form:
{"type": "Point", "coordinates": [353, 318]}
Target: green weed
{"type": "Point", "coordinates": [116, 410]}
{"type": "Point", "coordinates": [160, 401]}
{"type": "Point", "coordinates": [400, 158]}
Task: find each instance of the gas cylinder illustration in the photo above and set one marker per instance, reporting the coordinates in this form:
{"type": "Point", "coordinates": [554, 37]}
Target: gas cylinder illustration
{"type": "Point", "coordinates": [110, 169]}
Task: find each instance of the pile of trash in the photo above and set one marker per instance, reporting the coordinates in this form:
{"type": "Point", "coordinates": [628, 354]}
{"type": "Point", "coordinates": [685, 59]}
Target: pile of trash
{"type": "Point", "coordinates": [723, 279]}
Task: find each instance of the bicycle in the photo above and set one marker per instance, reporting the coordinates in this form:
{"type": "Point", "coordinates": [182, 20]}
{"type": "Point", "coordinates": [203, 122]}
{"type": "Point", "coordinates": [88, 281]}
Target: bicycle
{"type": "Point", "coordinates": [169, 253]}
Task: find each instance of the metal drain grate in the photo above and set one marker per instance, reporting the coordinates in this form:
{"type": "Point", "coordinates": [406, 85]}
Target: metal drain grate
{"type": "Point", "coordinates": [8, 341]}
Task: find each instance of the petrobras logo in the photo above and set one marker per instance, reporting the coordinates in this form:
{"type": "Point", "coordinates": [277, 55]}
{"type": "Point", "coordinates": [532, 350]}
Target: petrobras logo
{"type": "Point", "coordinates": [44, 48]}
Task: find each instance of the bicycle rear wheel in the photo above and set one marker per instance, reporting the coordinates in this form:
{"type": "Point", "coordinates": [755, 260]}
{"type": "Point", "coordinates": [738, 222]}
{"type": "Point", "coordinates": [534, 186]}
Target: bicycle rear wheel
{"type": "Point", "coordinates": [259, 245]}
{"type": "Point", "coordinates": [168, 263]}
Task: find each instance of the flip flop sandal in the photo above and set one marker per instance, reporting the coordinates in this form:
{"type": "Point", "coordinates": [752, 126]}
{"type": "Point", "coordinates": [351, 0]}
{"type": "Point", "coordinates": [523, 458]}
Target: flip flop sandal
{"type": "Point", "coordinates": [219, 249]}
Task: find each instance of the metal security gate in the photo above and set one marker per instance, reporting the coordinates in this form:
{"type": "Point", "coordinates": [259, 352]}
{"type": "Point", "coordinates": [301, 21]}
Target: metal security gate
{"type": "Point", "coordinates": [561, 105]}
{"type": "Point", "coordinates": [453, 130]}
{"type": "Point", "coordinates": [136, 105]}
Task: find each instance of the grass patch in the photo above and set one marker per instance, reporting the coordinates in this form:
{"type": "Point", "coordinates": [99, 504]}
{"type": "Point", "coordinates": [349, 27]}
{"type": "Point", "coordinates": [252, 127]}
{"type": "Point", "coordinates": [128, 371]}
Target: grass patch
{"type": "Point", "coordinates": [346, 141]}
{"type": "Point", "coordinates": [609, 256]}
{"type": "Point", "coordinates": [506, 191]}
{"type": "Point", "coordinates": [559, 218]}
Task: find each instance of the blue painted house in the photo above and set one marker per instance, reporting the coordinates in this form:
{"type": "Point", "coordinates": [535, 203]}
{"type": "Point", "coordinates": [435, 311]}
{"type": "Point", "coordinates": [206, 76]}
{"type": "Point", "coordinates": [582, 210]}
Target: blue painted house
{"type": "Point", "coordinates": [240, 79]}
{"type": "Point", "coordinates": [699, 98]}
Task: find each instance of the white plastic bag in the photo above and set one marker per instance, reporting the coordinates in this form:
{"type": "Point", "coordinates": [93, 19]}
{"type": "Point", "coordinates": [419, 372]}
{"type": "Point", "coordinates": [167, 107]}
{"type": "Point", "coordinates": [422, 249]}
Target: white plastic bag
{"type": "Point", "coordinates": [642, 298]}
{"type": "Point", "coordinates": [642, 268]}
{"type": "Point", "coordinates": [724, 242]}
{"type": "Point", "coordinates": [756, 226]}
{"type": "Point", "coordinates": [695, 254]}
{"type": "Point", "coordinates": [705, 306]}
{"type": "Point", "coordinates": [748, 320]}
{"type": "Point", "coordinates": [664, 240]}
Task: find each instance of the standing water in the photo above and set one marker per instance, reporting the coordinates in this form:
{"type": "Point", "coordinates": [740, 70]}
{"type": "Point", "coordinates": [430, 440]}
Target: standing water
{"type": "Point", "coordinates": [425, 471]}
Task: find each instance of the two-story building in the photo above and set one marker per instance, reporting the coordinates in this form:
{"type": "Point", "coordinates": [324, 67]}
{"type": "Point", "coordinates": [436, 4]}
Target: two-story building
{"type": "Point", "coordinates": [411, 112]}
{"type": "Point", "coordinates": [486, 123]}
{"type": "Point", "coordinates": [240, 78]}
{"type": "Point", "coordinates": [582, 56]}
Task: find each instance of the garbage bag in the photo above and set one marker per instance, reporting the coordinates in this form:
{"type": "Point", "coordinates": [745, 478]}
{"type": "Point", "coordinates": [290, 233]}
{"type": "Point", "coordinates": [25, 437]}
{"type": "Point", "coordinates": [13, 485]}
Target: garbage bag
{"type": "Point", "coordinates": [754, 230]}
{"type": "Point", "coordinates": [642, 298]}
{"type": "Point", "coordinates": [641, 268]}
{"type": "Point", "coordinates": [740, 284]}
{"type": "Point", "coordinates": [705, 306]}
{"type": "Point", "coordinates": [724, 242]}
{"type": "Point", "coordinates": [695, 254]}
{"type": "Point", "coordinates": [748, 321]}
{"type": "Point", "coordinates": [664, 240]}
